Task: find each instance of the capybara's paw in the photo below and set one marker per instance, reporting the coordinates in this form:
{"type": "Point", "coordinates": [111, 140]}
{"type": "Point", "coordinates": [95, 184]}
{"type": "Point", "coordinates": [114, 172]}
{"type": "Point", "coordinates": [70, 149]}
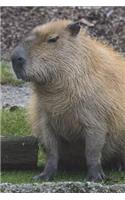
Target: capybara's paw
{"type": "Point", "coordinates": [95, 174]}
{"type": "Point", "coordinates": [42, 177]}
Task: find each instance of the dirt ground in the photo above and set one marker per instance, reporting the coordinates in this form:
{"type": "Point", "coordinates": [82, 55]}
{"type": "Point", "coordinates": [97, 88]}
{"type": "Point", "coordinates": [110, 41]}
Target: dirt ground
{"type": "Point", "coordinates": [107, 23]}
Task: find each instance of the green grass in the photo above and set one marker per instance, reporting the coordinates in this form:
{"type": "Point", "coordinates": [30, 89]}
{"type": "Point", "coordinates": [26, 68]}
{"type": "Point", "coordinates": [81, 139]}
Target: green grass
{"type": "Point", "coordinates": [7, 76]}
{"type": "Point", "coordinates": [15, 123]}
{"type": "Point", "coordinates": [115, 177]}
{"type": "Point", "coordinates": [18, 177]}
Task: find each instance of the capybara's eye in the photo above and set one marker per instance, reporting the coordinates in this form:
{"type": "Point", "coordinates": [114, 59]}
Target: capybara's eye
{"type": "Point", "coordinates": [52, 39]}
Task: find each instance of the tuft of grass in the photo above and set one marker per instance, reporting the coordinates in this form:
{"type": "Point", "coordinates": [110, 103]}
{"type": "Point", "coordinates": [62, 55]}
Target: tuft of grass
{"type": "Point", "coordinates": [7, 76]}
{"type": "Point", "coordinates": [14, 122]}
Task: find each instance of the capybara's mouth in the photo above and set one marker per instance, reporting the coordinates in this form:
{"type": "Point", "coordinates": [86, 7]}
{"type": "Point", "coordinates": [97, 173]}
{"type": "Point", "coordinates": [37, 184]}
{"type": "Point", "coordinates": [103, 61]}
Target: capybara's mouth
{"type": "Point", "coordinates": [18, 59]}
{"type": "Point", "coordinates": [20, 73]}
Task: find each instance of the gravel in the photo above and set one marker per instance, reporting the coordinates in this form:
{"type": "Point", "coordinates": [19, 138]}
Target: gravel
{"type": "Point", "coordinates": [107, 23]}
{"type": "Point", "coordinates": [62, 187]}
{"type": "Point", "coordinates": [15, 96]}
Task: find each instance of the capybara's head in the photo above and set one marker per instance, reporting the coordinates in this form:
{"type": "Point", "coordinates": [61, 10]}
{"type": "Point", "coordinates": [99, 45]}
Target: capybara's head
{"type": "Point", "coordinates": [48, 50]}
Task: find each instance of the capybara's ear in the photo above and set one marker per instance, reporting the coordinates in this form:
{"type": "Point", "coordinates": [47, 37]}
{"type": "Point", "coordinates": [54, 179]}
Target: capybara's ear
{"type": "Point", "coordinates": [74, 28]}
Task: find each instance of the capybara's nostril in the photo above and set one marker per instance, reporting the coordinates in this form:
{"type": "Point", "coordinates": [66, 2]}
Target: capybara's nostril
{"type": "Point", "coordinates": [21, 60]}
{"type": "Point", "coordinates": [18, 57]}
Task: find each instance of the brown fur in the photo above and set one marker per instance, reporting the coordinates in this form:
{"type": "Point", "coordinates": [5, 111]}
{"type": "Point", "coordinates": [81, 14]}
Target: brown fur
{"type": "Point", "coordinates": [78, 97]}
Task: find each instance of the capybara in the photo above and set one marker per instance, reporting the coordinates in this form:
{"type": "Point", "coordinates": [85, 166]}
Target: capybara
{"type": "Point", "coordinates": [78, 96]}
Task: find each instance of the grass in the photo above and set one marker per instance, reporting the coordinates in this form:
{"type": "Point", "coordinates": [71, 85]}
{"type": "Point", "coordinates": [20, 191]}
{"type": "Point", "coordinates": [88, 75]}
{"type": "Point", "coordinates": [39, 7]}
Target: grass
{"type": "Point", "coordinates": [18, 177]}
{"type": "Point", "coordinates": [115, 177]}
{"type": "Point", "coordinates": [15, 123]}
{"type": "Point", "coordinates": [7, 76]}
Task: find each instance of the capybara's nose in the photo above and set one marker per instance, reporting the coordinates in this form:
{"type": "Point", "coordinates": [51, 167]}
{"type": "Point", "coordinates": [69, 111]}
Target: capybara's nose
{"type": "Point", "coordinates": [18, 57]}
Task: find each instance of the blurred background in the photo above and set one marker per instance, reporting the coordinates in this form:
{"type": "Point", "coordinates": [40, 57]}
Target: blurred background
{"type": "Point", "coordinates": [107, 23]}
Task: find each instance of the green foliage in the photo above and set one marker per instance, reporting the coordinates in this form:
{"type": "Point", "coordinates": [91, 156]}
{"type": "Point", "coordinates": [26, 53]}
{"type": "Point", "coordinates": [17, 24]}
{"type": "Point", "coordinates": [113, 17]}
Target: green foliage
{"type": "Point", "coordinates": [7, 76]}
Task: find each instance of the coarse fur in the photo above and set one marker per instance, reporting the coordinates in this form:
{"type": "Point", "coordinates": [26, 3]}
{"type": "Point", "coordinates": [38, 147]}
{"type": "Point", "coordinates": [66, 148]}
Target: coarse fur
{"type": "Point", "coordinates": [78, 101]}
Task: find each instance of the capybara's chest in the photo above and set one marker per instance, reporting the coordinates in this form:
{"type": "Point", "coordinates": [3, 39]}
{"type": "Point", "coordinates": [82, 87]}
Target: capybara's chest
{"type": "Point", "coordinates": [67, 126]}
